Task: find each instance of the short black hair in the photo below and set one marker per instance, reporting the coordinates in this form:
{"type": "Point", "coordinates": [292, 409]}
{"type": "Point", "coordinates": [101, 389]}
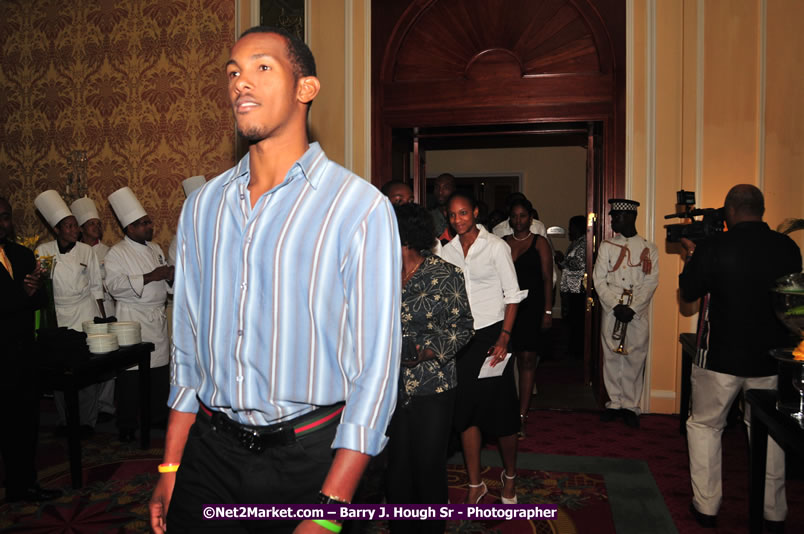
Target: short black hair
{"type": "Point", "coordinates": [464, 195]}
{"type": "Point", "coordinates": [300, 55]}
{"type": "Point", "coordinates": [746, 199]}
{"type": "Point", "coordinates": [415, 226]}
{"type": "Point", "coordinates": [577, 222]}
{"type": "Point", "coordinates": [523, 203]}
{"type": "Point", "coordinates": [387, 186]}
{"type": "Point", "coordinates": [511, 197]}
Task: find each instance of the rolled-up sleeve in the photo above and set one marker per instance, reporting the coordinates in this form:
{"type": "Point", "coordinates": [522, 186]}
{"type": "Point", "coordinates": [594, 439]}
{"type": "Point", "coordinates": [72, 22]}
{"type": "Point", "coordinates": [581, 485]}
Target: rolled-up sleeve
{"type": "Point", "coordinates": [184, 373]}
{"type": "Point", "coordinates": [692, 282]}
{"type": "Point", "coordinates": [504, 265]}
{"type": "Point", "coordinates": [373, 290]}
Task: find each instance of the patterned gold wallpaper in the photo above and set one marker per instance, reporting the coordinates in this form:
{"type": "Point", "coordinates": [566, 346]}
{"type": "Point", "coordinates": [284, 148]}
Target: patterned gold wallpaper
{"type": "Point", "coordinates": [138, 84]}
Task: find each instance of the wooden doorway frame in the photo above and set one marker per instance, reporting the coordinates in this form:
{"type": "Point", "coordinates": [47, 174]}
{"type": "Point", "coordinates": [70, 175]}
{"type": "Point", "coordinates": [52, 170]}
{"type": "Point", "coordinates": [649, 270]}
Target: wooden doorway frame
{"type": "Point", "coordinates": [500, 87]}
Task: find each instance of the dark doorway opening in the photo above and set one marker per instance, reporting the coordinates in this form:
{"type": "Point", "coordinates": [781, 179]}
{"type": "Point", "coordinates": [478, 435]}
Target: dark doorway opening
{"type": "Point", "coordinates": [492, 161]}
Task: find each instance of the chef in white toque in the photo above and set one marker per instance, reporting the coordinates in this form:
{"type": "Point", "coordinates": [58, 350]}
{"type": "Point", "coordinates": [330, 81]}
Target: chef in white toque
{"type": "Point", "coordinates": [139, 279]}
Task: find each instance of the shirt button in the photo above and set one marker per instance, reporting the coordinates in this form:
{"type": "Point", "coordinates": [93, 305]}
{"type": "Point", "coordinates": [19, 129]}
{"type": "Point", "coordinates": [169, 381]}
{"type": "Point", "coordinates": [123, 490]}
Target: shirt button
{"type": "Point", "coordinates": [239, 332]}
{"type": "Point", "coordinates": [242, 196]}
{"type": "Point", "coordinates": [243, 285]}
{"type": "Point", "coordinates": [239, 379]}
{"type": "Point", "coordinates": [248, 239]}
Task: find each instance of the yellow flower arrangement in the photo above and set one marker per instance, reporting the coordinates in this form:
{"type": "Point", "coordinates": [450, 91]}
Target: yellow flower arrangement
{"type": "Point", "coordinates": [29, 242]}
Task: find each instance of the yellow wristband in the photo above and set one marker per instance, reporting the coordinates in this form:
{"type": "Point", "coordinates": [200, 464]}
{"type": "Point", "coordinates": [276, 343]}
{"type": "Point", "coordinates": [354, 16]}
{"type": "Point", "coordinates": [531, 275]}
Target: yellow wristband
{"type": "Point", "coordinates": [168, 468]}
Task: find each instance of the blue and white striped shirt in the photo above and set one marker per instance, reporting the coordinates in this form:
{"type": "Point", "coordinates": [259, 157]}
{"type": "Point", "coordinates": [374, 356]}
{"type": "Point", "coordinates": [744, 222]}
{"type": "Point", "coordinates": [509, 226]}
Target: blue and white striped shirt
{"type": "Point", "coordinates": [292, 304]}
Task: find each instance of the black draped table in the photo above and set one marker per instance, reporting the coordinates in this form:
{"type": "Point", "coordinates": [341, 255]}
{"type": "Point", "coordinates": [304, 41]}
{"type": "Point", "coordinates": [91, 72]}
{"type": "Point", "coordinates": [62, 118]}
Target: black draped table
{"type": "Point", "coordinates": [767, 420]}
{"type": "Point", "coordinates": [71, 373]}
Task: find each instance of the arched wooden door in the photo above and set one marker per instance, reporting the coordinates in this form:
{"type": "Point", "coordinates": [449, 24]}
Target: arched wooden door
{"type": "Point", "coordinates": [475, 63]}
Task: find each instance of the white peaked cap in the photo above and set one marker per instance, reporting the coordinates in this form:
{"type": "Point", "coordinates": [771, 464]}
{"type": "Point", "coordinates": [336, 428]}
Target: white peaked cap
{"type": "Point", "coordinates": [52, 207]}
{"type": "Point", "coordinates": [84, 210]}
{"type": "Point", "coordinates": [126, 206]}
{"type": "Point", "coordinates": [192, 183]}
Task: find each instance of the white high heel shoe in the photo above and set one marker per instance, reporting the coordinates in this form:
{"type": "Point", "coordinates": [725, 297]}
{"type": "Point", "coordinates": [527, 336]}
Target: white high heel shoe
{"type": "Point", "coordinates": [485, 490]}
{"type": "Point", "coordinates": [506, 500]}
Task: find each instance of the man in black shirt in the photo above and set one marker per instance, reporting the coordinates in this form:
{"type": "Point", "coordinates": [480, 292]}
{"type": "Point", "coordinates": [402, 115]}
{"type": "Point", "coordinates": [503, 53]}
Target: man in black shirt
{"type": "Point", "coordinates": [737, 268]}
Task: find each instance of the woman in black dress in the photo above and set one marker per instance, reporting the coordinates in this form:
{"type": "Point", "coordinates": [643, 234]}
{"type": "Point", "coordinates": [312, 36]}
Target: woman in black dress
{"type": "Point", "coordinates": [534, 270]}
{"type": "Point", "coordinates": [436, 323]}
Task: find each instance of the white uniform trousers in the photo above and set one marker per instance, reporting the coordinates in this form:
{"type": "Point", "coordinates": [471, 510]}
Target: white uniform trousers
{"type": "Point", "coordinates": [623, 374]}
{"type": "Point", "coordinates": [712, 396]}
{"type": "Point", "coordinates": [87, 405]}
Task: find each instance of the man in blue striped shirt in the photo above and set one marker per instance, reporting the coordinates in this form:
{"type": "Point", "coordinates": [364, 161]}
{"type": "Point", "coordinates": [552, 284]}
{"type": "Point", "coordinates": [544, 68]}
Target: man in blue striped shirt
{"type": "Point", "coordinates": [287, 302]}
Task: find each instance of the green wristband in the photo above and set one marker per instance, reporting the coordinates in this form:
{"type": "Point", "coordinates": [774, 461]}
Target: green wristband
{"type": "Point", "coordinates": [329, 525]}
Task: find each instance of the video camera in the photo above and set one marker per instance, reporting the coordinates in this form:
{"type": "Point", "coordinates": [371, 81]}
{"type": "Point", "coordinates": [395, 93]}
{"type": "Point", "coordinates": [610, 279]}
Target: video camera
{"type": "Point", "coordinates": [712, 222]}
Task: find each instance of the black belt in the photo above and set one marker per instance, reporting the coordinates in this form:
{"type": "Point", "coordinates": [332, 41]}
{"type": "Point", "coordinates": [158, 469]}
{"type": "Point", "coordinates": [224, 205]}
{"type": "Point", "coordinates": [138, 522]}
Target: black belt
{"type": "Point", "coordinates": [258, 438]}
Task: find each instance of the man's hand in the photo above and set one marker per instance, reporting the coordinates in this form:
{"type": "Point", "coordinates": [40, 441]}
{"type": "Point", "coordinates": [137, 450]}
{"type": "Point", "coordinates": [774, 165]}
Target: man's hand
{"type": "Point", "coordinates": [33, 281]}
{"type": "Point", "coordinates": [160, 501]}
{"type": "Point", "coordinates": [163, 272]}
{"type": "Point", "coordinates": [689, 246]}
{"type": "Point", "coordinates": [623, 313]}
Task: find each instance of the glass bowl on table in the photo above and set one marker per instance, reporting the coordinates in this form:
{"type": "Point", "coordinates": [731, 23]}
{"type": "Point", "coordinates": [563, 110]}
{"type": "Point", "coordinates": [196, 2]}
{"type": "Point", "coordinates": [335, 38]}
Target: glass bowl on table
{"type": "Point", "coordinates": [788, 304]}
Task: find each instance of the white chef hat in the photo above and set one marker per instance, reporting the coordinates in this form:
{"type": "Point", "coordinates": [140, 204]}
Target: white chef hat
{"type": "Point", "coordinates": [84, 210]}
{"type": "Point", "coordinates": [192, 183]}
{"type": "Point", "coordinates": [126, 206]}
{"type": "Point", "coordinates": [52, 207]}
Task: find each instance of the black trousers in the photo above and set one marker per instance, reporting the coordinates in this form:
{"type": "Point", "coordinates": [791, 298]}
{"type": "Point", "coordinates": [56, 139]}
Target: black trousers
{"type": "Point", "coordinates": [216, 469]}
{"type": "Point", "coordinates": [20, 393]}
{"type": "Point", "coordinates": [127, 397]}
{"type": "Point", "coordinates": [417, 457]}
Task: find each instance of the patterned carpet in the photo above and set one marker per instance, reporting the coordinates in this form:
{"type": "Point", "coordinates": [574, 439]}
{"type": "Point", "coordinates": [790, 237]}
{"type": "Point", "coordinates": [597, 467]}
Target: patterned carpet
{"type": "Point", "coordinates": [119, 479]}
{"type": "Point", "coordinates": [564, 459]}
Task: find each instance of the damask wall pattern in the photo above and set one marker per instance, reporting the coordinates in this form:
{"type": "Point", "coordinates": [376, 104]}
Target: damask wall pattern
{"type": "Point", "coordinates": [138, 84]}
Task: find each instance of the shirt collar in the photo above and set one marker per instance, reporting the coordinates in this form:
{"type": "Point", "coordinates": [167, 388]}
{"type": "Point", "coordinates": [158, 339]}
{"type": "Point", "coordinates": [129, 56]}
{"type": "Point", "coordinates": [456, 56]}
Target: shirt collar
{"type": "Point", "coordinates": [311, 166]}
{"type": "Point", "coordinates": [482, 234]}
{"type": "Point", "coordinates": [132, 242]}
{"type": "Point", "coordinates": [750, 225]}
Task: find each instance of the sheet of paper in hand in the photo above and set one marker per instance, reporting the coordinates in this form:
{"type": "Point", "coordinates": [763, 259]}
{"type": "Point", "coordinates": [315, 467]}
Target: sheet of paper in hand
{"type": "Point", "coordinates": [487, 371]}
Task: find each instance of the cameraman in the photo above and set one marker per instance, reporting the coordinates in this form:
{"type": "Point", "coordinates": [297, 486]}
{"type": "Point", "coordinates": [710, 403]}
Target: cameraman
{"type": "Point", "coordinates": [737, 268]}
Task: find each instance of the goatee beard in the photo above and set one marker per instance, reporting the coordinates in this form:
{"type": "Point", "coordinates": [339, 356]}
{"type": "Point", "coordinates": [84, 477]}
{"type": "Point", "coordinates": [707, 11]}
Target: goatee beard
{"type": "Point", "coordinates": [253, 135]}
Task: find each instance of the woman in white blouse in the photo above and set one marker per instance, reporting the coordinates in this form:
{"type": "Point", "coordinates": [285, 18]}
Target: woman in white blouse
{"type": "Point", "coordinates": [486, 406]}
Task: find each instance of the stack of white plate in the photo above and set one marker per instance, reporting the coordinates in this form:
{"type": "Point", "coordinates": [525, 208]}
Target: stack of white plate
{"type": "Point", "coordinates": [128, 332]}
{"type": "Point", "coordinates": [102, 343]}
{"type": "Point", "coordinates": [91, 328]}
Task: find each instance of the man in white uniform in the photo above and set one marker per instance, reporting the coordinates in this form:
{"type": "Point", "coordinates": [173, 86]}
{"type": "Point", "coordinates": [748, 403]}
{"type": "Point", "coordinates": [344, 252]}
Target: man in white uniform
{"type": "Point", "coordinates": [77, 289]}
{"type": "Point", "coordinates": [86, 214]}
{"type": "Point", "coordinates": [625, 263]}
{"type": "Point", "coordinates": [139, 278]}
{"type": "Point", "coordinates": [503, 228]}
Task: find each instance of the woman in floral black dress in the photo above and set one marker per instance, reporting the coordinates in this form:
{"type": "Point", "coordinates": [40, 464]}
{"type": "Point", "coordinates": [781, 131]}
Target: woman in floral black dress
{"type": "Point", "coordinates": [436, 323]}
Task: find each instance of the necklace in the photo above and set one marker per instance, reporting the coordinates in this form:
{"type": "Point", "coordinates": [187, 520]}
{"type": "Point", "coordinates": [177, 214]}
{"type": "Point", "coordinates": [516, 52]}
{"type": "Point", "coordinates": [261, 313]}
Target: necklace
{"type": "Point", "coordinates": [412, 272]}
{"type": "Point", "coordinates": [521, 238]}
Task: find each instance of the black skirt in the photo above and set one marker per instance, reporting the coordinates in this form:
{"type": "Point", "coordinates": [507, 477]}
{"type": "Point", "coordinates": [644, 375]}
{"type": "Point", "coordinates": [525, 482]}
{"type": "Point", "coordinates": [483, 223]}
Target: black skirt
{"type": "Point", "coordinates": [488, 403]}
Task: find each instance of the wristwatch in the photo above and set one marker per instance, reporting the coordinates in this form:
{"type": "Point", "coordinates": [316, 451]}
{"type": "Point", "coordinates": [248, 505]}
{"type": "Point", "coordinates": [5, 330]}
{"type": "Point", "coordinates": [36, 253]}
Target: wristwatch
{"type": "Point", "coordinates": [330, 499]}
